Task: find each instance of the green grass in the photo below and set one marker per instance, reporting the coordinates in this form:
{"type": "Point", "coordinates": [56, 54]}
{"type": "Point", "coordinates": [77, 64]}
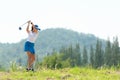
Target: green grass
{"type": "Point", "coordinates": [63, 74]}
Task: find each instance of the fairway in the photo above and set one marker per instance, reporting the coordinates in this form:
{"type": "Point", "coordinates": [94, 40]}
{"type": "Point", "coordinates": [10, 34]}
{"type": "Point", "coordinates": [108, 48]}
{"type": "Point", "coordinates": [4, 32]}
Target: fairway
{"type": "Point", "coordinates": [63, 74]}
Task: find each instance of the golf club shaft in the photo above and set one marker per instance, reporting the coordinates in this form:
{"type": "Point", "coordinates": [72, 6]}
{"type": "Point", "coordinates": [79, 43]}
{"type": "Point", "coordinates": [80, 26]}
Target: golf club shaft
{"type": "Point", "coordinates": [20, 28]}
{"type": "Point", "coordinates": [24, 24]}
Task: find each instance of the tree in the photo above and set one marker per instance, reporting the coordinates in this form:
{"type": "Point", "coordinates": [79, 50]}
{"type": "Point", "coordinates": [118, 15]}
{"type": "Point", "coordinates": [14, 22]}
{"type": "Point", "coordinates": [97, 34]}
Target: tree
{"type": "Point", "coordinates": [85, 56]}
{"type": "Point", "coordinates": [72, 56]}
{"type": "Point", "coordinates": [98, 55]}
{"type": "Point", "coordinates": [92, 56]}
{"type": "Point", "coordinates": [52, 61]}
{"type": "Point", "coordinates": [108, 53]}
{"type": "Point", "coordinates": [115, 52]}
{"type": "Point", "coordinates": [77, 55]}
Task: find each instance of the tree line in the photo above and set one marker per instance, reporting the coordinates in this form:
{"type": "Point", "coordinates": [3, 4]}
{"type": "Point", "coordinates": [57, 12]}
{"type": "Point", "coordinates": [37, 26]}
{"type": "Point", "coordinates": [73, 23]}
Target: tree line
{"type": "Point", "coordinates": [95, 56]}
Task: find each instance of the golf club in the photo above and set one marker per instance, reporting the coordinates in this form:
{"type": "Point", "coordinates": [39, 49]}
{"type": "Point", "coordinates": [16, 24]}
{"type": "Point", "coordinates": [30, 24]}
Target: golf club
{"type": "Point", "coordinates": [20, 28]}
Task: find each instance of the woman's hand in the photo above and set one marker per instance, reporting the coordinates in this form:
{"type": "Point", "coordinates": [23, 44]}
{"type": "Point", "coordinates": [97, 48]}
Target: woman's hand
{"type": "Point", "coordinates": [32, 24]}
{"type": "Point", "coordinates": [29, 21]}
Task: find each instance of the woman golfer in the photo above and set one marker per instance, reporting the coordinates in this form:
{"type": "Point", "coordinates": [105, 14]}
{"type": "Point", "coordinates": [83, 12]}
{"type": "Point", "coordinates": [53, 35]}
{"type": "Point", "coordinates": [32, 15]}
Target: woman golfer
{"type": "Point", "coordinates": [29, 44]}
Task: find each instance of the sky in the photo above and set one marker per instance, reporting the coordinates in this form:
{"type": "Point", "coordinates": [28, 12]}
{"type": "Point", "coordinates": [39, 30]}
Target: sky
{"type": "Point", "coordinates": [98, 17]}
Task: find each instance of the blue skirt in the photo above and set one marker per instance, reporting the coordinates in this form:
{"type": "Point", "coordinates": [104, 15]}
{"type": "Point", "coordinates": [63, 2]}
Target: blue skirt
{"type": "Point", "coordinates": [29, 47]}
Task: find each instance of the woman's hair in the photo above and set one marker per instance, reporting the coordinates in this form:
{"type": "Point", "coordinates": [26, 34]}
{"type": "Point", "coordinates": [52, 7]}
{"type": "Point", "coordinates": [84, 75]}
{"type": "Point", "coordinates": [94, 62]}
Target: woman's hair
{"type": "Point", "coordinates": [32, 29]}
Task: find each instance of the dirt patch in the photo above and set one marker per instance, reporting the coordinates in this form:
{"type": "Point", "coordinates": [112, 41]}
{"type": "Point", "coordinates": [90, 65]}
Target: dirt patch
{"type": "Point", "coordinates": [117, 72]}
{"type": "Point", "coordinates": [4, 74]}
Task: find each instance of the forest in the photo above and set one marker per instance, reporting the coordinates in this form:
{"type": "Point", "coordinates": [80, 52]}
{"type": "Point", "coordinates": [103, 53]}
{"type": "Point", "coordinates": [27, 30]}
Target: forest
{"type": "Point", "coordinates": [95, 57]}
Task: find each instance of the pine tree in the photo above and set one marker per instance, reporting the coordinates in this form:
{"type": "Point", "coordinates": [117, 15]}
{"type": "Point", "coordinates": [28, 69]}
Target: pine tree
{"type": "Point", "coordinates": [92, 56]}
{"type": "Point", "coordinates": [85, 56]}
{"type": "Point", "coordinates": [115, 52]}
{"type": "Point", "coordinates": [77, 55]}
{"type": "Point", "coordinates": [108, 53]}
{"type": "Point", "coordinates": [98, 55]}
{"type": "Point", "coordinates": [70, 51]}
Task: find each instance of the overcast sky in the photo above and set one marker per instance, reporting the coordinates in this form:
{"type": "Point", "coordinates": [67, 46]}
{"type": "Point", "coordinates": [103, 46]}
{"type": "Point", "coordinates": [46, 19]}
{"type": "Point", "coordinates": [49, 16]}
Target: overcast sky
{"type": "Point", "coordinates": [98, 17]}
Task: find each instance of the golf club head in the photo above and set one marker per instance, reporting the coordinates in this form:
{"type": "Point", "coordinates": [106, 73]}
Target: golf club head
{"type": "Point", "coordinates": [20, 28]}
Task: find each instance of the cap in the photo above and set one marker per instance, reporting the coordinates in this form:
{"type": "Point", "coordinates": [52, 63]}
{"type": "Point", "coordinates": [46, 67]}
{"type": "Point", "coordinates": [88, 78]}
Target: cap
{"type": "Point", "coordinates": [36, 26]}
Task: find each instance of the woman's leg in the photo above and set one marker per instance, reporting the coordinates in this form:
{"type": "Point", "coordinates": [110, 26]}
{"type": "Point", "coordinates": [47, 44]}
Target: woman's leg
{"type": "Point", "coordinates": [32, 59]}
{"type": "Point", "coordinates": [29, 59]}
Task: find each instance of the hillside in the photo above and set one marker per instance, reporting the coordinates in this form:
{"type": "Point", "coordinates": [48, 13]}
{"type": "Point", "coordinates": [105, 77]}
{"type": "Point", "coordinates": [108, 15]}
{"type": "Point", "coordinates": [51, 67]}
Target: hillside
{"type": "Point", "coordinates": [48, 40]}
